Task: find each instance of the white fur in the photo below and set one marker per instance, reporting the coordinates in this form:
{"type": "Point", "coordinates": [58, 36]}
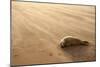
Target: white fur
{"type": "Point", "coordinates": [62, 40]}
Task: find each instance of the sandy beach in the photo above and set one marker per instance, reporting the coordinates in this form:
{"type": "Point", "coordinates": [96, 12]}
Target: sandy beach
{"type": "Point", "coordinates": [37, 29]}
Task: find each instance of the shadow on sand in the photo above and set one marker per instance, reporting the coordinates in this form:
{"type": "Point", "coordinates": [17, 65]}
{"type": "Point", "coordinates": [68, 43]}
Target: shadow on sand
{"type": "Point", "coordinates": [81, 53]}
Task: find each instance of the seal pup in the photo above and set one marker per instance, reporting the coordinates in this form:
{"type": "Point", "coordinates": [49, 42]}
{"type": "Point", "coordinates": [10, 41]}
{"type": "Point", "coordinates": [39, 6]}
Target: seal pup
{"type": "Point", "coordinates": [72, 41]}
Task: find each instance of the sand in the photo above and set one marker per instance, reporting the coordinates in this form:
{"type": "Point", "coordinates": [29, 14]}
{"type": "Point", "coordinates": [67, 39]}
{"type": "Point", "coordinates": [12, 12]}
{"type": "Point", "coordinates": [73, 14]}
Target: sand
{"type": "Point", "coordinates": [37, 29]}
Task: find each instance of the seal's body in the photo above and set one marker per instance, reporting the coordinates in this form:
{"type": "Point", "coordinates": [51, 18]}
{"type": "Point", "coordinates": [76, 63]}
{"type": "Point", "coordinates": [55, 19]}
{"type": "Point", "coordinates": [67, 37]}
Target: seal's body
{"type": "Point", "coordinates": [71, 41]}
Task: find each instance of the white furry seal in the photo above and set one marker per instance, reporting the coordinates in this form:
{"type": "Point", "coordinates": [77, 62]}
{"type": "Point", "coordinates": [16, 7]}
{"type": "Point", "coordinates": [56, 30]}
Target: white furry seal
{"type": "Point", "coordinates": [72, 41]}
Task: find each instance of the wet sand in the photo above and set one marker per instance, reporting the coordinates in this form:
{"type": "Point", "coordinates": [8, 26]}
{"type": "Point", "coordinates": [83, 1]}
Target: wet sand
{"type": "Point", "coordinates": [37, 29]}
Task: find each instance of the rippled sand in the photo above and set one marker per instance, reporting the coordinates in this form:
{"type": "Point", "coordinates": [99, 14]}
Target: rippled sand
{"type": "Point", "coordinates": [37, 29]}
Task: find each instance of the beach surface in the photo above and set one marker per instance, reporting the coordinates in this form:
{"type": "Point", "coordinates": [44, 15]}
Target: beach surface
{"type": "Point", "coordinates": [37, 29]}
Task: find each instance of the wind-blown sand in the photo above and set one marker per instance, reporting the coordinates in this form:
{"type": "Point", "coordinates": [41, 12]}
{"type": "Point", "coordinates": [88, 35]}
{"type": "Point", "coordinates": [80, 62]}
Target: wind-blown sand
{"type": "Point", "coordinates": [37, 29]}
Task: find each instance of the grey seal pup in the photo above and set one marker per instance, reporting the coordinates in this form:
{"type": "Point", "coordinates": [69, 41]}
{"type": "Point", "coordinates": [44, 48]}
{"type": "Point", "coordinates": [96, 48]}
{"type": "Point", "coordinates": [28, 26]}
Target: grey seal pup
{"type": "Point", "coordinates": [72, 41]}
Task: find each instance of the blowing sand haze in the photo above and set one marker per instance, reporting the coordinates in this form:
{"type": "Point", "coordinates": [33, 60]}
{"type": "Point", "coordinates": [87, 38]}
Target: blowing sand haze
{"type": "Point", "coordinates": [37, 29]}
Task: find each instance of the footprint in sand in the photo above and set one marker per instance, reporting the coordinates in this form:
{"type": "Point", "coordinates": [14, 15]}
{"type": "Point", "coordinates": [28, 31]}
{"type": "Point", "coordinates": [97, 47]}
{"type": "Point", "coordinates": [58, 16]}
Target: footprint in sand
{"type": "Point", "coordinates": [50, 54]}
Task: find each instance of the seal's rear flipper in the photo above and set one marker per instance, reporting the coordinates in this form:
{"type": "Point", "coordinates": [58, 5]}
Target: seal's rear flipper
{"type": "Point", "coordinates": [85, 43]}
